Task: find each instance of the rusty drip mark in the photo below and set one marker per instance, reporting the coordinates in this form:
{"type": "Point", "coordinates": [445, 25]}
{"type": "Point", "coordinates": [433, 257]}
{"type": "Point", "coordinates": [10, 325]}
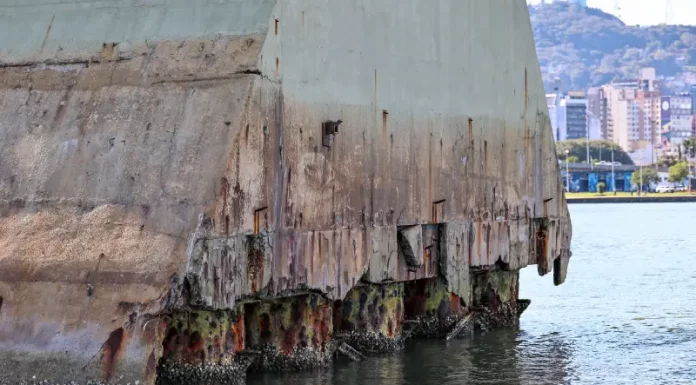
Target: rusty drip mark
{"type": "Point", "coordinates": [257, 219]}
{"type": "Point", "coordinates": [385, 127]}
{"type": "Point", "coordinates": [222, 194]}
{"type": "Point", "coordinates": [526, 90]}
{"type": "Point", "coordinates": [48, 31]}
{"type": "Point", "coordinates": [112, 350]}
{"type": "Point", "coordinates": [276, 26]}
{"type": "Point", "coordinates": [151, 367]}
{"type": "Point", "coordinates": [478, 238]}
{"type": "Point", "coordinates": [277, 68]}
{"type": "Point", "coordinates": [471, 132]}
{"type": "Point", "coordinates": [1, 302]}
{"type": "Point", "coordinates": [485, 157]}
{"type": "Point", "coordinates": [542, 245]}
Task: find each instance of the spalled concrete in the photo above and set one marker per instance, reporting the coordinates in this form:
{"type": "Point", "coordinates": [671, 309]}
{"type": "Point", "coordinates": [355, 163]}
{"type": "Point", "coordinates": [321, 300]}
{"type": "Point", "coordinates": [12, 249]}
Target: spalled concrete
{"type": "Point", "coordinates": [296, 174]}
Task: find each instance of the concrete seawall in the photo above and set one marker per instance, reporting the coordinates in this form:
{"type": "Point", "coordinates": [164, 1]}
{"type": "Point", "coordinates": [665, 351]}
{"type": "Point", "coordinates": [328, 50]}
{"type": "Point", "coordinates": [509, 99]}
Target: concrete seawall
{"type": "Point", "coordinates": [188, 190]}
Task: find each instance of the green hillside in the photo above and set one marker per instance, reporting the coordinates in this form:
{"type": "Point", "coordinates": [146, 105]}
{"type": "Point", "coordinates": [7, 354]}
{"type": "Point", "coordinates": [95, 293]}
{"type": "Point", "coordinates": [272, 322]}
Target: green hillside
{"type": "Point", "coordinates": [582, 47]}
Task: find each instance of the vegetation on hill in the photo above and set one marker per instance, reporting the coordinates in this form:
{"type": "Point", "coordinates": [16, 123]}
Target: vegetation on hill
{"type": "Point", "coordinates": [600, 150]}
{"type": "Point", "coordinates": [582, 47]}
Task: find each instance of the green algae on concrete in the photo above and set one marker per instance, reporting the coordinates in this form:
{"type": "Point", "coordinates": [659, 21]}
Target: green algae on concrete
{"type": "Point", "coordinates": [431, 308]}
{"type": "Point", "coordinates": [371, 318]}
{"type": "Point", "coordinates": [290, 332]}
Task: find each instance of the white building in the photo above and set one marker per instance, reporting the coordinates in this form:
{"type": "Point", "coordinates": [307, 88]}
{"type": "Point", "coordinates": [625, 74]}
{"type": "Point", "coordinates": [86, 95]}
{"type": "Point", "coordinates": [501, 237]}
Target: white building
{"type": "Point", "coordinates": [594, 127]}
{"type": "Point", "coordinates": [633, 115]}
{"type": "Point", "coordinates": [676, 119]}
{"type": "Point", "coordinates": [568, 114]}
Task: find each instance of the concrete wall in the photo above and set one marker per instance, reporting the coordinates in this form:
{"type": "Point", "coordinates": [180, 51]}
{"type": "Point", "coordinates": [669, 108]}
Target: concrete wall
{"type": "Point", "coordinates": [148, 146]}
{"type": "Point", "coordinates": [114, 137]}
{"type": "Point", "coordinates": [429, 114]}
{"type": "Point", "coordinates": [32, 30]}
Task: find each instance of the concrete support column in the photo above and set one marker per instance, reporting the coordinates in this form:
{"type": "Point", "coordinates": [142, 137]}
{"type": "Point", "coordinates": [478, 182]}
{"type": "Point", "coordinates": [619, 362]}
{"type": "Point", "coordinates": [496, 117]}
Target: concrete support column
{"type": "Point", "coordinates": [290, 333]}
{"type": "Point", "coordinates": [371, 318]}
{"type": "Point", "coordinates": [202, 346]}
{"type": "Point", "coordinates": [495, 296]}
{"type": "Point", "coordinates": [431, 309]}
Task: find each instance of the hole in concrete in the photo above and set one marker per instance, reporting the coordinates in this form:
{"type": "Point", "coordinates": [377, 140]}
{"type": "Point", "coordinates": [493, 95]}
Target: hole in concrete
{"type": "Point", "coordinates": [439, 210]}
{"type": "Point", "coordinates": [337, 315]}
{"type": "Point", "coordinates": [276, 26]}
{"type": "Point", "coordinates": [1, 302]}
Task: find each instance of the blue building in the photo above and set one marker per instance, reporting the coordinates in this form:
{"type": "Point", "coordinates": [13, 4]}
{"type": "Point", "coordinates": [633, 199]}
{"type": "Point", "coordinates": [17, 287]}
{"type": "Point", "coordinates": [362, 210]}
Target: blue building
{"type": "Point", "coordinates": [584, 178]}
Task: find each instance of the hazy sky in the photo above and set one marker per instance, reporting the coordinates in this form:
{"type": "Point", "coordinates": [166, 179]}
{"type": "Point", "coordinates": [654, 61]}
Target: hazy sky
{"type": "Point", "coordinates": [647, 12]}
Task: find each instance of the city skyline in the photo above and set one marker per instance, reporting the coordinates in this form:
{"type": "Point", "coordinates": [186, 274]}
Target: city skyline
{"type": "Point", "coordinates": [646, 12]}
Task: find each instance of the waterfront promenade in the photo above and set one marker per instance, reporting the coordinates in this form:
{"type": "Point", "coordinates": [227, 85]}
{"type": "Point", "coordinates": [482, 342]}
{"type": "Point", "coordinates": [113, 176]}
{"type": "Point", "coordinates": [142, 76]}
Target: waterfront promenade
{"type": "Point", "coordinates": [624, 197]}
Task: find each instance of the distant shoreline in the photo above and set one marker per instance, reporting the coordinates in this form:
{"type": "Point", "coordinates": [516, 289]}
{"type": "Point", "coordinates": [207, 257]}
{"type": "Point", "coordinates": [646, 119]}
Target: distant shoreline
{"type": "Point", "coordinates": [635, 199]}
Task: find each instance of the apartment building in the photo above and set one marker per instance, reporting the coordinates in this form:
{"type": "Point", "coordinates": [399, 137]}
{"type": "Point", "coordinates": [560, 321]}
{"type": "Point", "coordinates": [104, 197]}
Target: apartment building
{"type": "Point", "coordinates": [676, 119]}
{"type": "Point", "coordinates": [633, 114]}
{"type": "Point", "coordinates": [568, 114]}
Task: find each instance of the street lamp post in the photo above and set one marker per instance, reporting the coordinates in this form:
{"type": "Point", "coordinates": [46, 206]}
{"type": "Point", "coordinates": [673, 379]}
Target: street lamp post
{"type": "Point", "coordinates": [613, 176]}
{"type": "Point", "coordinates": [567, 174]}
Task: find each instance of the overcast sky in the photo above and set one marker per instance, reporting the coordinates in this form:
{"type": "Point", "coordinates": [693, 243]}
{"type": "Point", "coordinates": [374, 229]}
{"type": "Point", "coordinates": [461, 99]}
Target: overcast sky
{"type": "Point", "coordinates": [648, 12]}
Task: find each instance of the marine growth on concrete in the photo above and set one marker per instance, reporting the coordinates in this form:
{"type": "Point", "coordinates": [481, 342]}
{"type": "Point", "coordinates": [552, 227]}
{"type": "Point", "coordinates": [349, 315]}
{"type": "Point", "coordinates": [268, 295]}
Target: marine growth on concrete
{"type": "Point", "coordinates": [191, 190]}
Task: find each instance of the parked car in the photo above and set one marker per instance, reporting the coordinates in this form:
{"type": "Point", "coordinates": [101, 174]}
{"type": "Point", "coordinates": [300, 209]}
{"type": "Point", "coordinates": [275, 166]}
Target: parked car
{"type": "Point", "coordinates": [665, 188]}
{"type": "Point", "coordinates": [607, 163]}
{"type": "Point", "coordinates": [680, 188]}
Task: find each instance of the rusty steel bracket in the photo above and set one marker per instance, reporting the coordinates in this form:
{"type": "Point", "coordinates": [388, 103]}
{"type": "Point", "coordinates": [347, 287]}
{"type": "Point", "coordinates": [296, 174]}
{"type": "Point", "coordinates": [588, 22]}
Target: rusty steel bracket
{"type": "Point", "coordinates": [328, 129]}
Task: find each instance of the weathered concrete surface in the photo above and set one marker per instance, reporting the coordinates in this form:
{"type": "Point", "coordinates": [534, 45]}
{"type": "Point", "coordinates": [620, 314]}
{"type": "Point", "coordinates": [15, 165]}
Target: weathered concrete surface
{"type": "Point", "coordinates": [160, 158]}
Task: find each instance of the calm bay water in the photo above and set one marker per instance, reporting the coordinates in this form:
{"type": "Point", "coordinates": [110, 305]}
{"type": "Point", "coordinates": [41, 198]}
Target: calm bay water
{"type": "Point", "coordinates": [626, 315]}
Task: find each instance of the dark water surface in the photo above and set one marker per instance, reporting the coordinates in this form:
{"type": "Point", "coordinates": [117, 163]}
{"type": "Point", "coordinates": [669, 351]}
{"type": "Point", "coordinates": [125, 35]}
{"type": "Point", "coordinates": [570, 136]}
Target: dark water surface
{"type": "Point", "coordinates": [626, 315]}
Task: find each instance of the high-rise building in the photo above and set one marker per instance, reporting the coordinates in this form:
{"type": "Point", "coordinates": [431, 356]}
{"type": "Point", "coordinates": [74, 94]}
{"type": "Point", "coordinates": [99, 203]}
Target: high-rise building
{"type": "Point", "coordinates": [676, 119]}
{"type": "Point", "coordinates": [553, 102]}
{"type": "Point", "coordinates": [633, 114]}
{"type": "Point", "coordinates": [576, 114]}
{"type": "Point", "coordinates": [568, 114]}
{"type": "Point", "coordinates": [597, 113]}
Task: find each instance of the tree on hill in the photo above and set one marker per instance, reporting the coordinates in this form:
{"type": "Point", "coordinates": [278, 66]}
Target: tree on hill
{"type": "Point", "coordinates": [581, 47]}
{"type": "Point", "coordinates": [648, 174]}
{"type": "Point", "coordinates": [600, 150]}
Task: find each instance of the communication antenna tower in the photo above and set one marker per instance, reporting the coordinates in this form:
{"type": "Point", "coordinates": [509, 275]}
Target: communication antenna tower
{"type": "Point", "coordinates": [669, 13]}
